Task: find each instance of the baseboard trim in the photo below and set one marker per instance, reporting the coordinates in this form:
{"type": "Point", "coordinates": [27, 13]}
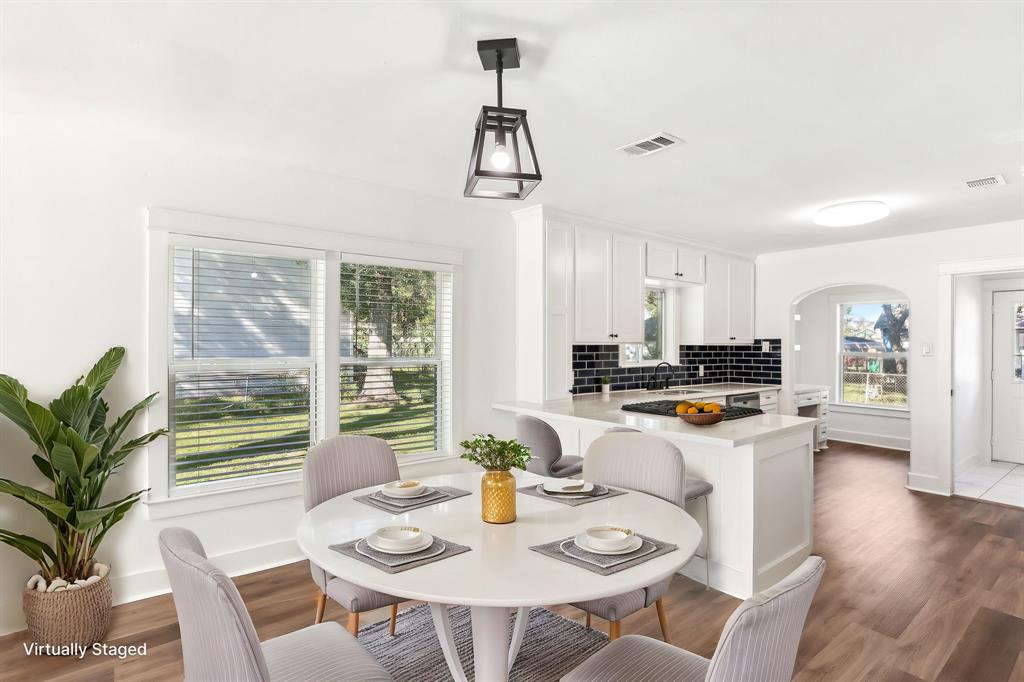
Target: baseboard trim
{"type": "Point", "coordinates": [926, 484]}
{"type": "Point", "coordinates": [151, 583]}
{"type": "Point", "coordinates": [864, 438]}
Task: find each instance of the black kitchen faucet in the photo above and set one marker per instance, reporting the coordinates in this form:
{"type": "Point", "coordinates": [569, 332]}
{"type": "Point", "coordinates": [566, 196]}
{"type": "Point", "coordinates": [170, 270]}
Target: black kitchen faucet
{"type": "Point", "coordinates": [654, 384]}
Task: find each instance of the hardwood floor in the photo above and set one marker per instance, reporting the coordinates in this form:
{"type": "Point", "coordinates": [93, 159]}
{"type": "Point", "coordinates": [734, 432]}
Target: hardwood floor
{"type": "Point", "coordinates": [918, 587]}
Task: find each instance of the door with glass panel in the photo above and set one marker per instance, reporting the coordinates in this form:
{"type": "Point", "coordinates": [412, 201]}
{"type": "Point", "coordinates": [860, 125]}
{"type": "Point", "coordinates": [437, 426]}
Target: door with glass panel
{"type": "Point", "coordinates": [1007, 382]}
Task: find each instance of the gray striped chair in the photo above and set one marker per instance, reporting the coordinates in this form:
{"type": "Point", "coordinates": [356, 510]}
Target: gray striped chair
{"type": "Point", "coordinates": [647, 464]}
{"type": "Point", "coordinates": [758, 644]}
{"type": "Point", "coordinates": [333, 467]}
{"type": "Point", "coordinates": [219, 642]}
{"type": "Point", "coordinates": [545, 449]}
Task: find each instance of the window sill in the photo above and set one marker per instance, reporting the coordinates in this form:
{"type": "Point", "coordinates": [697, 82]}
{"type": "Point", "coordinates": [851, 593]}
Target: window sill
{"type": "Point", "coordinates": [875, 410]}
{"type": "Point", "coordinates": [212, 500]}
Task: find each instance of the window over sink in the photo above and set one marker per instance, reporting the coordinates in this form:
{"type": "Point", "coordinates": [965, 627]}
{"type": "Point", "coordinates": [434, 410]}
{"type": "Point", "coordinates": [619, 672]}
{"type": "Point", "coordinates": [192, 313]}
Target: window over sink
{"type": "Point", "coordinates": [655, 346]}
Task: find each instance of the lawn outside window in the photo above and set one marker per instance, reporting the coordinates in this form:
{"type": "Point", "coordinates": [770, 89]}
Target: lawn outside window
{"type": "Point", "coordinates": [873, 367]}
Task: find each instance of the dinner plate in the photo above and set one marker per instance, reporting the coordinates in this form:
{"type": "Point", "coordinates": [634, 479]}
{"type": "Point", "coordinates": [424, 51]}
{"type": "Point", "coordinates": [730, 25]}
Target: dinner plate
{"type": "Point", "coordinates": [427, 540]}
{"type": "Point", "coordinates": [558, 487]}
{"type": "Point", "coordinates": [441, 547]}
{"type": "Point", "coordinates": [392, 490]}
{"type": "Point", "coordinates": [635, 543]}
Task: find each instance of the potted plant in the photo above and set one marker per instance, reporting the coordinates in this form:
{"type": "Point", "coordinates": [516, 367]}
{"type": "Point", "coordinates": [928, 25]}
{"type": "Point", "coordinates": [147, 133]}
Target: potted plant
{"type": "Point", "coordinates": [68, 601]}
{"type": "Point", "coordinates": [498, 485]}
{"type": "Point", "coordinates": [606, 384]}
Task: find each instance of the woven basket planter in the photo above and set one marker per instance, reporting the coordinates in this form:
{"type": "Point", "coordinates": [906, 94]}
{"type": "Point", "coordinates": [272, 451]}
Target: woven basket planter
{"type": "Point", "coordinates": [70, 616]}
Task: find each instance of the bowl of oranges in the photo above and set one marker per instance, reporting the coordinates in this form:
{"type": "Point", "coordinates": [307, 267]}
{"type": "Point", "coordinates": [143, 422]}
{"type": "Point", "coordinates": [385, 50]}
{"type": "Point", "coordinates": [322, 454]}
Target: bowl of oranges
{"type": "Point", "coordinates": [700, 413]}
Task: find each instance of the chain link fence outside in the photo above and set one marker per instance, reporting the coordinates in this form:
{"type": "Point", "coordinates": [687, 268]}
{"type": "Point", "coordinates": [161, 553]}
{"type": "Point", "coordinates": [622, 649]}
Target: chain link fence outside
{"type": "Point", "coordinates": [875, 388]}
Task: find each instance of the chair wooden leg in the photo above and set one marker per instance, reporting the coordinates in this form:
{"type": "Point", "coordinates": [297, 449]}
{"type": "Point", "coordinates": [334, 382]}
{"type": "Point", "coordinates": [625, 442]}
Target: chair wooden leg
{"type": "Point", "coordinates": [321, 603]}
{"type": "Point", "coordinates": [353, 624]}
{"type": "Point", "coordinates": [707, 545]}
{"type": "Point", "coordinates": [588, 620]}
{"type": "Point", "coordinates": [614, 630]}
{"type": "Point", "coordinates": [663, 619]}
{"type": "Point", "coordinates": [394, 619]}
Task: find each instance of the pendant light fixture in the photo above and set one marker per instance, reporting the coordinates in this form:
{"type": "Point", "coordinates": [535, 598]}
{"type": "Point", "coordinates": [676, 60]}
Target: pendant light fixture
{"type": "Point", "coordinates": [503, 164]}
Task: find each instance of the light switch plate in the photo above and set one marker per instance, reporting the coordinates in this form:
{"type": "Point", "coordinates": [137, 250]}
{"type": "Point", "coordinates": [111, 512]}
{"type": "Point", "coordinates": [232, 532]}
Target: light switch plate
{"type": "Point", "coordinates": [766, 346]}
{"type": "Point", "coordinates": [700, 370]}
{"type": "Point", "coordinates": [927, 350]}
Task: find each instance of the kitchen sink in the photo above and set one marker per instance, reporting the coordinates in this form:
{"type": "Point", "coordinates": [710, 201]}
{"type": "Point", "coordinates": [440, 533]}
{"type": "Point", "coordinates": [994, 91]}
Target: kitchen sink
{"type": "Point", "coordinates": [678, 392]}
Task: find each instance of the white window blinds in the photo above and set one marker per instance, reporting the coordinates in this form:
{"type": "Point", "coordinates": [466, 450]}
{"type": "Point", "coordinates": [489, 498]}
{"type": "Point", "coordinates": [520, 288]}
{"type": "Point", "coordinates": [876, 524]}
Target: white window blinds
{"type": "Point", "coordinates": [395, 356]}
{"type": "Point", "coordinates": [246, 339]}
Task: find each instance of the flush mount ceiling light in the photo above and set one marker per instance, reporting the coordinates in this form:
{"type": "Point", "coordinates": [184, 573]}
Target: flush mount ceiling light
{"type": "Point", "coordinates": [498, 168]}
{"type": "Point", "coordinates": [851, 213]}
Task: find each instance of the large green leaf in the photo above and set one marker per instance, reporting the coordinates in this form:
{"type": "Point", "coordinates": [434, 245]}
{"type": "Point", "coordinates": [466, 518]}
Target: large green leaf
{"type": "Point", "coordinates": [74, 407]}
{"type": "Point", "coordinates": [43, 466]}
{"type": "Point", "coordinates": [104, 370]}
{"type": "Point", "coordinates": [37, 499]}
{"type": "Point", "coordinates": [119, 426]}
{"type": "Point", "coordinates": [37, 550]}
{"type": "Point", "coordinates": [131, 446]}
{"type": "Point", "coordinates": [89, 518]}
{"type": "Point", "coordinates": [97, 427]}
{"type": "Point", "coordinates": [64, 461]}
{"type": "Point", "coordinates": [34, 419]}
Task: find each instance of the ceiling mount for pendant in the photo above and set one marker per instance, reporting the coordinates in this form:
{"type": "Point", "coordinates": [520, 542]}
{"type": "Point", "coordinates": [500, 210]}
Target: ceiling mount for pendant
{"type": "Point", "coordinates": [496, 143]}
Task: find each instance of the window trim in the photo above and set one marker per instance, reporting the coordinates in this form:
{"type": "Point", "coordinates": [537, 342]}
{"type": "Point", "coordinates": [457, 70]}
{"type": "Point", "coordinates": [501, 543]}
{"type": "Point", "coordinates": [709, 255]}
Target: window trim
{"type": "Point", "coordinates": [167, 227]}
{"type": "Point", "coordinates": [838, 392]}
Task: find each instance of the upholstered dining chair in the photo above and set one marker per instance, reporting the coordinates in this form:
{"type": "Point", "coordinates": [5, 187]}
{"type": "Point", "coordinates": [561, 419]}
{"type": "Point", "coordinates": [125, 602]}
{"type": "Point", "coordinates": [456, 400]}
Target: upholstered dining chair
{"type": "Point", "coordinates": [219, 642]}
{"type": "Point", "coordinates": [333, 467]}
{"type": "Point", "coordinates": [545, 448]}
{"type": "Point", "coordinates": [758, 644]}
{"type": "Point", "coordinates": [646, 464]}
{"type": "Point", "coordinates": [696, 489]}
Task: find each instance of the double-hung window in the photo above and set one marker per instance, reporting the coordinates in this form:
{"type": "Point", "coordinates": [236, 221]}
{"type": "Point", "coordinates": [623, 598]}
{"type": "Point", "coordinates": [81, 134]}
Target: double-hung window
{"type": "Point", "coordinates": [655, 345]}
{"type": "Point", "coordinates": [873, 360]}
{"type": "Point", "coordinates": [251, 328]}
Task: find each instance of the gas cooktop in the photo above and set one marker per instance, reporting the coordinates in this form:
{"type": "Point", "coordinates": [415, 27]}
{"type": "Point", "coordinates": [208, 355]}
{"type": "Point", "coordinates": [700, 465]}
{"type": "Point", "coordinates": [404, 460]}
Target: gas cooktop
{"type": "Point", "coordinates": [667, 408]}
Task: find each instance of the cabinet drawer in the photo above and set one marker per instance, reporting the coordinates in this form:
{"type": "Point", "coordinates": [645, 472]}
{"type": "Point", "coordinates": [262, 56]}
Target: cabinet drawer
{"type": "Point", "coordinates": [769, 398]}
{"type": "Point", "coordinates": [807, 399]}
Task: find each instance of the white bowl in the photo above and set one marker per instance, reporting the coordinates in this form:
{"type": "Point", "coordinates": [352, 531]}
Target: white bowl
{"type": "Point", "coordinates": [403, 489]}
{"type": "Point", "coordinates": [609, 538]}
{"type": "Point", "coordinates": [559, 486]}
{"type": "Point", "coordinates": [397, 537]}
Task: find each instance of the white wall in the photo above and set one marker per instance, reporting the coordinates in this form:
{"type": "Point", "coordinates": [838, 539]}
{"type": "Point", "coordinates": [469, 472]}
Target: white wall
{"type": "Point", "coordinates": [908, 264]}
{"type": "Point", "coordinates": [817, 363]}
{"type": "Point", "coordinates": [971, 427]}
{"type": "Point", "coordinates": [73, 282]}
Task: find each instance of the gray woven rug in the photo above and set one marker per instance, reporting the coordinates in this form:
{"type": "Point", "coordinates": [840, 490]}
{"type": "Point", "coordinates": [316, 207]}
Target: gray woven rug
{"type": "Point", "coordinates": [553, 646]}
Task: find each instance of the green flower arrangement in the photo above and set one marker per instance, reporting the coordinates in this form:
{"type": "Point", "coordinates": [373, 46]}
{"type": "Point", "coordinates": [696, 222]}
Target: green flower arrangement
{"type": "Point", "coordinates": [495, 454]}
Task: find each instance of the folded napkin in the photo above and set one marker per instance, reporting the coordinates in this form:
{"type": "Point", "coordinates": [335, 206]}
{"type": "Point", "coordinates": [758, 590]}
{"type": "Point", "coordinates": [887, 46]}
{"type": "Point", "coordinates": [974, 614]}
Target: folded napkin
{"type": "Point", "coordinates": [604, 564]}
{"type": "Point", "coordinates": [396, 505]}
{"type": "Point", "coordinates": [600, 493]}
{"type": "Point", "coordinates": [396, 563]}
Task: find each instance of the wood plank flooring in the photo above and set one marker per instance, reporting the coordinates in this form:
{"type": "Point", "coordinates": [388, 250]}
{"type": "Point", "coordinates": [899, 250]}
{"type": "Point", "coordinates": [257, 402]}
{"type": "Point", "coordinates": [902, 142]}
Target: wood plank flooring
{"type": "Point", "coordinates": [918, 588]}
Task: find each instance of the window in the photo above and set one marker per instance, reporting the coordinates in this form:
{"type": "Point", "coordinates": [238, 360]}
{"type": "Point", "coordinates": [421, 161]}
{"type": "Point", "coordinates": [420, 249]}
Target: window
{"type": "Point", "coordinates": [248, 382]}
{"type": "Point", "coordinates": [395, 373]}
{"type": "Point", "coordinates": [873, 362]}
{"type": "Point", "coordinates": [243, 363]}
{"type": "Point", "coordinates": [654, 345]}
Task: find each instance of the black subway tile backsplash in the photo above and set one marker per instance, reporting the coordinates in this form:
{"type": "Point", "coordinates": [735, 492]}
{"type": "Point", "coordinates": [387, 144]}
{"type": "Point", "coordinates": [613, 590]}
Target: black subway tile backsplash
{"type": "Point", "coordinates": [740, 363]}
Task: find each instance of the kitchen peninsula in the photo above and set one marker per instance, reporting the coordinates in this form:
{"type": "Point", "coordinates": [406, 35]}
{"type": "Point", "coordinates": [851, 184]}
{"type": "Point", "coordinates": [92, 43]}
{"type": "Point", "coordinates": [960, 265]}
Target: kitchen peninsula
{"type": "Point", "coordinates": [761, 468]}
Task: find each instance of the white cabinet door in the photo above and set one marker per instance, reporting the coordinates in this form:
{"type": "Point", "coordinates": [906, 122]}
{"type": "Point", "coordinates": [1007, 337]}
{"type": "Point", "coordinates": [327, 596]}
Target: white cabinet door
{"type": "Point", "coordinates": [558, 310]}
{"type": "Point", "coordinates": [593, 280]}
{"type": "Point", "coordinates": [627, 290]}
{"type": "Point", "coordinates": [690, 266]}
{"type": "Point", "coordinates": [741, 301]}
{"type": "Point", "coordinates": [661, 260]}
{"type": "Point", "coordinates": [716, 300]}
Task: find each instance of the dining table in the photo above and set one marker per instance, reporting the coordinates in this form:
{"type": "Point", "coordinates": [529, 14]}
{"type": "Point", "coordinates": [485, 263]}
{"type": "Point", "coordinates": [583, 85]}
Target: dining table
{"type": "Point", "coordinates": [500, 575]}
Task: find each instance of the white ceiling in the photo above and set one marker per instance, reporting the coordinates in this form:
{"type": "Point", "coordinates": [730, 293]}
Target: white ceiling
{"type": "Point", "coordinates": [785, 107]}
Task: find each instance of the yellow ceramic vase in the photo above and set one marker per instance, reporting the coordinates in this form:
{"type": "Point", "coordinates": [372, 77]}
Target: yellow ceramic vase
{"type": "Point", "coordinates": [498, 497]}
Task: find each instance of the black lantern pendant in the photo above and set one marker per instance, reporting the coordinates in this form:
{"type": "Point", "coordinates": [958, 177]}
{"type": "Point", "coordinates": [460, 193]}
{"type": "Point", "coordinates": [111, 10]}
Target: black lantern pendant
{"type": "Point", "coordinates": [498, 166]}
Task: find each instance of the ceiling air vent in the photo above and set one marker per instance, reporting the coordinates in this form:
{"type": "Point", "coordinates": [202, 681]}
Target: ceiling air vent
{"type": "Point", "coordinates": [990, 181]}
{"type": "Point", "coordinates": [651, 144]}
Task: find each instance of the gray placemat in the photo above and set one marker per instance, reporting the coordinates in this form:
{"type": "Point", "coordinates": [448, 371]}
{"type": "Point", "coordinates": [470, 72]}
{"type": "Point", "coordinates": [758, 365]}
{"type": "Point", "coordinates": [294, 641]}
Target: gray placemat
{"type": "Point", "coordinates": [572, 501]}
{"type": "Point", "coordinates": [396, 563]}
{"type": "Point", "coordinates": [442, 493]}
{"type": "Point", "coordinates": [603, 564]}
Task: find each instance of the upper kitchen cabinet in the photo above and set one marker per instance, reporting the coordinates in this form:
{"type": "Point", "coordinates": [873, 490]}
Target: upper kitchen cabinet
{"type": "Point", "coordinates": [673, 263]}
{"type": "Point", "coordinates": [728, 300]}
{"type": "Point", "coordinates": [608, 286]}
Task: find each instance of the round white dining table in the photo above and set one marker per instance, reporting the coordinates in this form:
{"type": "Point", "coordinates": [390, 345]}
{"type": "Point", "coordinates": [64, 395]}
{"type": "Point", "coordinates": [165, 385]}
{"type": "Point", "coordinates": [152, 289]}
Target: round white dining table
{"type": "Point", "coordinates": [500, 573]}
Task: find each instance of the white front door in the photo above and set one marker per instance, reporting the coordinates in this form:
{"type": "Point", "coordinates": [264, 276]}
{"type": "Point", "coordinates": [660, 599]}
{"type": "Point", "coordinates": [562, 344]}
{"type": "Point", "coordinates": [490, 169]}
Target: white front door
{"type": "Point", "coordinates": [1007, 382]}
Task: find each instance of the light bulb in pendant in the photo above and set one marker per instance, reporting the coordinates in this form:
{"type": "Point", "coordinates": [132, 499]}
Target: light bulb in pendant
{"type": "Point", "coordinates": [500, 158]}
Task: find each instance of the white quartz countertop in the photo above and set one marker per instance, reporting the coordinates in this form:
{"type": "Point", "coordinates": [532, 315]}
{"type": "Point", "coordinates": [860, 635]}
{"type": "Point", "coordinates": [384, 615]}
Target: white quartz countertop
{"type": "Point", "coordinates": [606, 409]}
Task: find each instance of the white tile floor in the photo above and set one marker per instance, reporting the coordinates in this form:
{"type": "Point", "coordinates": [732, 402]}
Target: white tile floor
{"type": "Point", "coordinates": [1001, 482]}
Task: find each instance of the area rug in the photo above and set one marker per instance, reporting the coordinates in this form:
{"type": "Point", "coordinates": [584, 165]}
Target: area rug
{"type": "Point", "coordinates": [553, 646]}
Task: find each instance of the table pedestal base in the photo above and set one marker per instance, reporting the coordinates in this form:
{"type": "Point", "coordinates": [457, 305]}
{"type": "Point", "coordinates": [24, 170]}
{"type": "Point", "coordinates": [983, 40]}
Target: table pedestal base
{"type": "Point", "coordinates": [493, 653]}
